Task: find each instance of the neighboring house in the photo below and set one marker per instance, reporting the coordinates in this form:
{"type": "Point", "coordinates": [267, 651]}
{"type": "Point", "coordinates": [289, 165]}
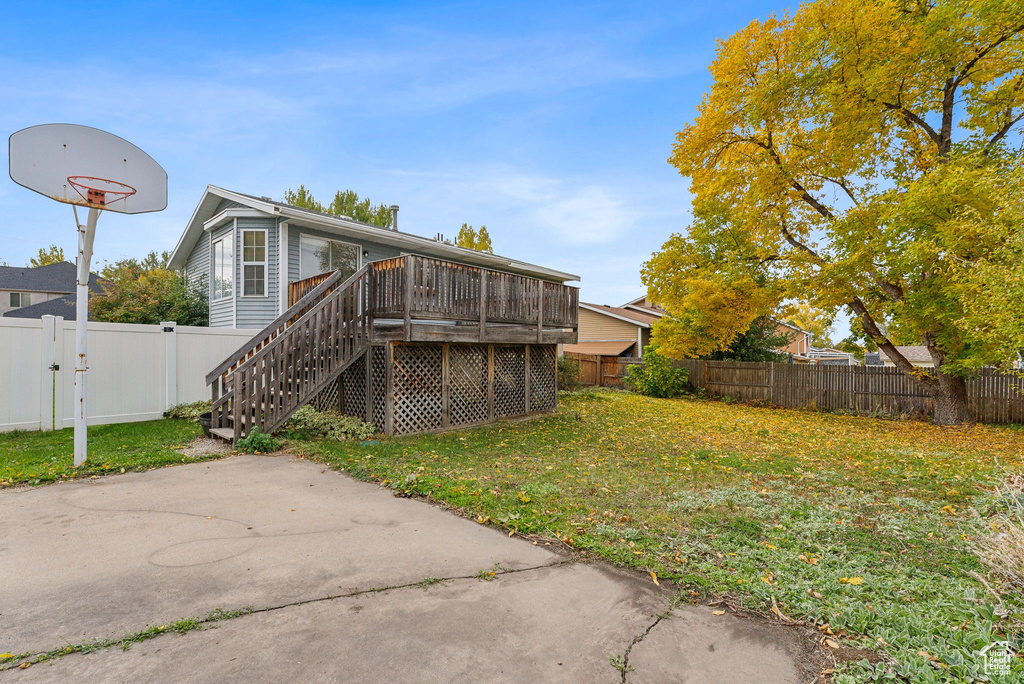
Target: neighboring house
{"type": "Point", "coordinates": [830, 356]}
{"type": "Point", "coordinates": [916, 354]}
{"type": "Point", "coordinates": [613, 330]}
{"type": "Point", "coordinates": [799, 346]}
{"type": "Point", "coordinates": [45, 290]}
{"type": "Point", "coordinates": [248, 250]}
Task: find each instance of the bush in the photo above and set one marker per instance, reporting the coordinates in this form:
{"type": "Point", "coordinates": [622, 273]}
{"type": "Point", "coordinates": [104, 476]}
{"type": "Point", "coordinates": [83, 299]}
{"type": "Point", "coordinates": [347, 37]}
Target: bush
{"type": "Point", "coordinates": [258, 443]}
{"type": "Point", "coordinates": [569, 374]}
{"type": "Point", "coordinates": [656, 377]}
{"type": "Point", "coordinates": [309, 423]}
{"type": "Point", "coordinates": [1002, 548]}
{"type": "Point", "coordinates": [188, 411]}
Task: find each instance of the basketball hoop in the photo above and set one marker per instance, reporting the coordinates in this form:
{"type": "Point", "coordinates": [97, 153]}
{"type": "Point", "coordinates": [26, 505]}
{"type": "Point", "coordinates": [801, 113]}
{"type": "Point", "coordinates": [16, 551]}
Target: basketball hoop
{"type": "Point", "coordinates": [100, 191]}
{"type": "Point", "coordinates": [40, 158]}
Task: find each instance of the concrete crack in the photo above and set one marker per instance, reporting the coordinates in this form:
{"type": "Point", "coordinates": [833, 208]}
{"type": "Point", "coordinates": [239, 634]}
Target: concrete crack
{"type": "Point", "coordinates": [622, 662]}
{"type": "Point", "coordinates": [182, 626]}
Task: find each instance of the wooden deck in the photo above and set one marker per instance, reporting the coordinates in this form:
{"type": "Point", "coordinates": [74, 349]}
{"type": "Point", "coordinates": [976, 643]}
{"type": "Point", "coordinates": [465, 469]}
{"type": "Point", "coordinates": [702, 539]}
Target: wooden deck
{"type": "Point", "coordinates": [333, 322]}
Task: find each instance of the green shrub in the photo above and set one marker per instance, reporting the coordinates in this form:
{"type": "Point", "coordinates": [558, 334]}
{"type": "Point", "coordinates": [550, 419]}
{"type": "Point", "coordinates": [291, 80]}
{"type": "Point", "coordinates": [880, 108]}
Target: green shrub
{"type": "Point", "coordinates": [569, 373]}
{"type": "Point", "coordinates": [258, 443]}
{"type": "Point", "coordinates": [656, 377]}
{"type": "Point", "coordinates": [188, 411]}
{"type": "Point", "coordinates": [308, 423]}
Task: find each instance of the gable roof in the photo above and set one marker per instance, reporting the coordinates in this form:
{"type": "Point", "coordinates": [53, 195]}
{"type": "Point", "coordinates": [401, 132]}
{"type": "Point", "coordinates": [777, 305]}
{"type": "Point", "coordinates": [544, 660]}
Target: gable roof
{"type": "Point", "coordinates": [61, 306]}
{"type": "Point", "coordinates": [346, 227]}
{"type": "Point", "coordinates": [640, 304]}
{"type": "Point", "coordinates": [637, 318]}
{"type": "Point", "coordinates": [54, 278]}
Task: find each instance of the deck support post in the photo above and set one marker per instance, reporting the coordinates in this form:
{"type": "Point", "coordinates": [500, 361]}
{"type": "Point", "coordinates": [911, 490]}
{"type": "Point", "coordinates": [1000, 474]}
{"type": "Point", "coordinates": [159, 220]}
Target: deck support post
{"type": "Point", "coordinates": [526, 378]}
{"type": "Point", "coordinates": [446, 414]}
{"type": "Point", "coordinates": [369, 385]}
{"type": "Point", "coordinates": [490, 383]}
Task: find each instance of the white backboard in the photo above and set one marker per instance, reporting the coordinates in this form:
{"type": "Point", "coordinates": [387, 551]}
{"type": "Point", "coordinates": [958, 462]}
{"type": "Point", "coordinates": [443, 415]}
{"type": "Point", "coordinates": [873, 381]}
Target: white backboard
{"type": "Point", "coordinates": [123, 178]}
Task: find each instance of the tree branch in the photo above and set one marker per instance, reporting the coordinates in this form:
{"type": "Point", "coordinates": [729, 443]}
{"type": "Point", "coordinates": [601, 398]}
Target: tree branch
{"type": "Point", "coordinates": [883, 342]}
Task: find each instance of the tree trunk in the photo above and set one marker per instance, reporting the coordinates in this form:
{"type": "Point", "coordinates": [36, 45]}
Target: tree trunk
{"type": "Point", "coordinates": [950, 397]}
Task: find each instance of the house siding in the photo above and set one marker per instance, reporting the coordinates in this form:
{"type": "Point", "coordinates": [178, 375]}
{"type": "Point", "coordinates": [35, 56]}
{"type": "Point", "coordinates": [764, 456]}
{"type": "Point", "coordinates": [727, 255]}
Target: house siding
{"type": "Point", "coordinates": [257, 312]}
{"type": "Point", "coordinates": [197, 266]}
{"type": "Point", "coordinates": [227, 204]}
{"type": "Point", "coordinates": [375, 251]}
{"type": "Point", "coordinates": [222, 312]}
{"type": "Point", "coordinates": [595, 327]}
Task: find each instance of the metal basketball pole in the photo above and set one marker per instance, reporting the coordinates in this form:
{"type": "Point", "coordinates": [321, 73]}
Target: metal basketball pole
{"type": "Point", "coordinates": [86, 234]}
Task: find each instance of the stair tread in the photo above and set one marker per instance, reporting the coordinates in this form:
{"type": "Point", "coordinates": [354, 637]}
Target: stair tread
{"type": "Point", "coordinates": [224, 433]}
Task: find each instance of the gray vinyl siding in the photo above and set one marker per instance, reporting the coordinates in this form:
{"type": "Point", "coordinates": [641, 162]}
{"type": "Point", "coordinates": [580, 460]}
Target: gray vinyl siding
{"type": "Point", "coordinates": [257, 312]}
{"type": "Point", "coordinates": [221, 311]}
{"type": "Point", "coordinates": [197, 266]}
{"type": "Point", "coordinates": [373, 250]}
{"type": "Point", "coordinates": [227, 204]}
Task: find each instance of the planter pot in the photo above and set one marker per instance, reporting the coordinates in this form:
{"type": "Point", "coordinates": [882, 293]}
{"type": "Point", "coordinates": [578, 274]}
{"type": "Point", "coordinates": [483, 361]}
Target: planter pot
{"type": "Point", "coordinates": [205, 419]}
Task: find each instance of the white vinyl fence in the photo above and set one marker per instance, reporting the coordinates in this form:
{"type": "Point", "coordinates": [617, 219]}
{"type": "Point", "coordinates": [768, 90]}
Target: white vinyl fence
{"type": "Point", "coordinates": [136, 372]}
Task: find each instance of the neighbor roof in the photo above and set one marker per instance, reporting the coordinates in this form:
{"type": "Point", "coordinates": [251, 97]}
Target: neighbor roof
{"type": "Point", "coordinates": [61, 306]}
{"type": "Point", "coordinates": [642, 319]}
{"type": "Point", "coordinates": [912, 353]}
{"type": "Point", "coordinates": [342, 225]}
{"type": "Point", "coordinates": [599, 348]}
{"type": "Point", "coordinates": [56, 278]}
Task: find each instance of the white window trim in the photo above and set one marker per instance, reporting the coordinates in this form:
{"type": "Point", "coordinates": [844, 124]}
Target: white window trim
{"type": "Point", "coordinates": [282, 267]}
{"type": "Point", "coordinates": [306, 236]}
{"type": "Point", "coordinates": [227, 238]}
{"type": "Point", "coordinates": [265, 263]}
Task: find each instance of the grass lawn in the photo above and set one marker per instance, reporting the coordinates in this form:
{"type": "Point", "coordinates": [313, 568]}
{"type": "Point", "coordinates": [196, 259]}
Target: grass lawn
{"type": "Point", "coordinates": [863, 525]}
{"type": "Point", "coordinates": [38, 457]}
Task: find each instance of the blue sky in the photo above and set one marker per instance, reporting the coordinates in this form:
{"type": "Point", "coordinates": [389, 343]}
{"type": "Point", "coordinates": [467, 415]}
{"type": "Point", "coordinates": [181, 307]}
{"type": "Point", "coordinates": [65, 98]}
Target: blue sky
{"type": "Point", "coordinates": [550, 122]}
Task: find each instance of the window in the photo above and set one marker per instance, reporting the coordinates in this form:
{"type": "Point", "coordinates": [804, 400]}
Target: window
{"type": "Point", "coordinates": [223, 267]}
{"type": "Point", "coordinates": [254, 263]}
{"type": "Point", "coordinates": [317, 255]}
{"type": "Point", "coordinates": [20, 299]}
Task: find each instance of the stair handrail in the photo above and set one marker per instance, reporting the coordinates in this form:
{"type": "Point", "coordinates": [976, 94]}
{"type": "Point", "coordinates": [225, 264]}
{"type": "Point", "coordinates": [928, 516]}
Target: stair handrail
{"type": "Point", "coordinates": [280, 324]}
{"type": "Point", "coordinates": [337, 292]}
{"type": "Point", "coordinates": [241, 402]}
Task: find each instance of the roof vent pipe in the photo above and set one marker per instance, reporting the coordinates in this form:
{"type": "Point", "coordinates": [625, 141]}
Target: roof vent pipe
{"type": "Point", "coordinates": [394, 217]}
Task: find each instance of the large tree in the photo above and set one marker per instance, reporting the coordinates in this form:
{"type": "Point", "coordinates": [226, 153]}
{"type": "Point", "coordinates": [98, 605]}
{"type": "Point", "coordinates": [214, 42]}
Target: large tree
{"type": "Point", "coordinates": [864, 154]}
{"type": "Point", "coordinates": [144, 291]}
{"type": "Point", "coordinates": [345, 203]}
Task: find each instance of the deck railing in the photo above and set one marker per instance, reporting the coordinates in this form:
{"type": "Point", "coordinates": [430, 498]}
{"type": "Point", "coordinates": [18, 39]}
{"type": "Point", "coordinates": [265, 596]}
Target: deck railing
{"type": "Point", "coordinates": [425, 288]}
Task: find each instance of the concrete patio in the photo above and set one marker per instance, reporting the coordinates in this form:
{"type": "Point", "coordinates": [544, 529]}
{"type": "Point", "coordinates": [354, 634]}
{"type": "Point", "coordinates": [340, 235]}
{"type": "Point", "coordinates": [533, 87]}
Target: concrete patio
{"type": "Point", "coordinates": [341, 578]}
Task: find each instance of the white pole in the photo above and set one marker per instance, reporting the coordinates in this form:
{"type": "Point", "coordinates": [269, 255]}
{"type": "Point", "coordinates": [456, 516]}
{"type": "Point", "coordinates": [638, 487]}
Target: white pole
{"type": "Point", "coordinates": [86, 234]}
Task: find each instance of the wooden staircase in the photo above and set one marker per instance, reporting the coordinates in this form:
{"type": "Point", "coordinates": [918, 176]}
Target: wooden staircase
{"type": "Point", "coordinates": [293, 359]}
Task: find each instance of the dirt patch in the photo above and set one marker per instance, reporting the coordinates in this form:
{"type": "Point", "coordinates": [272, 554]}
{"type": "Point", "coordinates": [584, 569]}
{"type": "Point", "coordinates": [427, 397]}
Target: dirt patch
{"type": "Point", "coordinates": [206, 446]}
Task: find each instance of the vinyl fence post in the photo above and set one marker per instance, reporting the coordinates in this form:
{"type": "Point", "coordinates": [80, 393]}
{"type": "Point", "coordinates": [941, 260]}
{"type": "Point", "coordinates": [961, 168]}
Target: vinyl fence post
{"type": "Point", "coordinates": [47, 372]}
{"type": "Point", "coordinates": [170, 363]}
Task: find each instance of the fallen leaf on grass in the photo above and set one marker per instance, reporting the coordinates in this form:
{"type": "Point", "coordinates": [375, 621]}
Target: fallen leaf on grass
{"type": "Point", "coordinates": [654, 576]}
{"type": "Point", "coordinates": [852, 580]}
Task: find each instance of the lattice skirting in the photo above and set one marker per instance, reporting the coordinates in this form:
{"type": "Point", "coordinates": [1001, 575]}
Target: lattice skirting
{"type": "Point", "coordinates": [440, 386]}
{"type": "Point", "coordinates": [327, 399]}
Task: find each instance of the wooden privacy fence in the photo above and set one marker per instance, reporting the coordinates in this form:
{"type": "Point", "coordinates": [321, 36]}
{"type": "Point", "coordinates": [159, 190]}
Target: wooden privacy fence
{"type": "Point", "coordinates": [994, 397]}
{"type": "Point", "coordinates": [603, 371]}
